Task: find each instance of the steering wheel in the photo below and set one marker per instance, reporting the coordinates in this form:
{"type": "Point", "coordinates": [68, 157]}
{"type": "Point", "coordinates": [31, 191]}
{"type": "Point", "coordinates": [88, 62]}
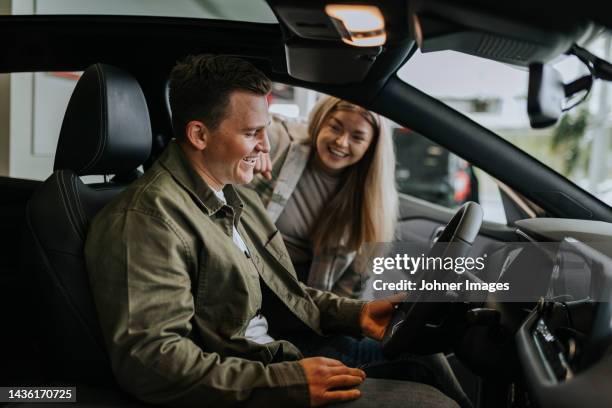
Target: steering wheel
{"type": "Point", "coordinates": [411, 317]}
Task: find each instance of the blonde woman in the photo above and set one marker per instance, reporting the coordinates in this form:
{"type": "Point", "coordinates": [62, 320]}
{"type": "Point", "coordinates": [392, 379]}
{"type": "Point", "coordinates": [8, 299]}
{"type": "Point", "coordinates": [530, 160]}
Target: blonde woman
{"type": "Point", "coordinates": [329, 186]}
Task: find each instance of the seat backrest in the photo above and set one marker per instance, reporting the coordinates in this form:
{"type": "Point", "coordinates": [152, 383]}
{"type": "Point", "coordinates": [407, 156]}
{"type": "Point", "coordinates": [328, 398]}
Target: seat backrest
{"type": "Point", "coordinates": [106, 131]}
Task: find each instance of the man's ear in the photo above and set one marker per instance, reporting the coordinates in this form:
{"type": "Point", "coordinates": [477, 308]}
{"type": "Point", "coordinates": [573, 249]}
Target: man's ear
{"type": "Point", "coordinates": [196, 134]}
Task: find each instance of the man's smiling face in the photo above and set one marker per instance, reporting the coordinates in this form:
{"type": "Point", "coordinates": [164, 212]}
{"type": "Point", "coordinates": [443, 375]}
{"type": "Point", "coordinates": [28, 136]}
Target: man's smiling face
{"type": "Point", "coordinates": [233, 148]}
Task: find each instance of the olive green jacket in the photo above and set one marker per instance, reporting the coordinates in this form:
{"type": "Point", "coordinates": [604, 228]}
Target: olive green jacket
{"type": "Point", "coordinates": [174, 294]}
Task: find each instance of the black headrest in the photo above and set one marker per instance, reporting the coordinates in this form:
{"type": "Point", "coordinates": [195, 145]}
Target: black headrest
{"type": "Point", "coordinates": [106, 129]}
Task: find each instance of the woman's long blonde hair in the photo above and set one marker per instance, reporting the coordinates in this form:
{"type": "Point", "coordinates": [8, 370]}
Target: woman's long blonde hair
{"type": "Point", "coordinates": [364, 209]}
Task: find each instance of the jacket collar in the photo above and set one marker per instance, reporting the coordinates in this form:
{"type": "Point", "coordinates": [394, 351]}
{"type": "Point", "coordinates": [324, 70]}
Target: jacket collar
{"type": "Point", "coordinates": [175, 162]}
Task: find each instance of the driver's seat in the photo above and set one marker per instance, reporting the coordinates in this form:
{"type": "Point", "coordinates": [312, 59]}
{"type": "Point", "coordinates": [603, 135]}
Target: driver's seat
{"type": "Point", "coordinates": [106, 131]}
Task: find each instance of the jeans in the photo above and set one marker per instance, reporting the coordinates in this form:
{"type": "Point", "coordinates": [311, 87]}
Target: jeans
{"type": "Point", "coordinates": [392, 383]}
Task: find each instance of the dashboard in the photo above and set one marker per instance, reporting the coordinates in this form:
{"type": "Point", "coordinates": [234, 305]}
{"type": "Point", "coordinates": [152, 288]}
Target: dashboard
{"type": "Point", "coordinates": [565, 343]}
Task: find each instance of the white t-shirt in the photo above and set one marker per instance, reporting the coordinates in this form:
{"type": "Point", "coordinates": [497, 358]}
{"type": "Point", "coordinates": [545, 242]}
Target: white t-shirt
{"type": "Point", "coordinates": [257, 330]}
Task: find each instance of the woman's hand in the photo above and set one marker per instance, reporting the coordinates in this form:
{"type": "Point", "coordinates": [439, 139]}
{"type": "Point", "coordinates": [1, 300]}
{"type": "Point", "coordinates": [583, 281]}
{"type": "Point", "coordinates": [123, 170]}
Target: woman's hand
{"type": "Point", "coordinates": [375, 316]}
{"type": "Point", "coordinates": [264, 166]}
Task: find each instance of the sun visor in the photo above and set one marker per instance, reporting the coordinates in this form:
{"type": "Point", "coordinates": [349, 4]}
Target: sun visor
{"type": "Point", "coordinates": [335, 64]}
{"type": "Point", "coordinates": [315, 50]}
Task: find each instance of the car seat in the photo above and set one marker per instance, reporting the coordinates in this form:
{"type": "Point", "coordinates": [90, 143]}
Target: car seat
{"type": "Point", "coordinates": [106, 131]}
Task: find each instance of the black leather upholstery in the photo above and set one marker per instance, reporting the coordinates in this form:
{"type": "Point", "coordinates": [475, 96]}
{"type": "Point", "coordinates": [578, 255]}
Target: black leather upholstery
{"type": "Point", "coordinates": [106, 130]}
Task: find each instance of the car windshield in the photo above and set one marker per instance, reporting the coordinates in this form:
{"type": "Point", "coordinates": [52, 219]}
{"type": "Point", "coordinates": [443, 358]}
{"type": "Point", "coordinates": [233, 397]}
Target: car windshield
{"type": "Point", "coordinates": [495, 95]}
{"type": "Point", "coordinates": [255, 11]}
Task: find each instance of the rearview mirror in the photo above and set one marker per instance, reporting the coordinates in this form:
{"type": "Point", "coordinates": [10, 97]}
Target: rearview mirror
{"type": "Point", "coordinates": [545, 95]}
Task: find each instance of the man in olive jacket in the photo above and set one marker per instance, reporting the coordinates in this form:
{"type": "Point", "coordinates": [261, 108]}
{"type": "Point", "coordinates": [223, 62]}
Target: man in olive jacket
{"type": "Point", "coordinates": [179, 261]}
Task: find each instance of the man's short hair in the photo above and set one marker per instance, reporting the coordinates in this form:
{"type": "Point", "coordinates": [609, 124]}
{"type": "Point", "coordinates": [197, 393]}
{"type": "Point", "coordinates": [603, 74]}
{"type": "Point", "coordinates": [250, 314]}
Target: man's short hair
{"type": "Point", "coordinates": [201, 85]}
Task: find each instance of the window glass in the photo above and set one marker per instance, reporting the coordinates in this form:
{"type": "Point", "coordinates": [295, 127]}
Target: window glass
{"type": "Point", "coordinates": [34, 104]}
{"type": "Point", "coordinates": [423, 169]}
{"type": "Point", "coordinates": [428, 171]}
{"type": "Point", "coordinates": [495, 95]}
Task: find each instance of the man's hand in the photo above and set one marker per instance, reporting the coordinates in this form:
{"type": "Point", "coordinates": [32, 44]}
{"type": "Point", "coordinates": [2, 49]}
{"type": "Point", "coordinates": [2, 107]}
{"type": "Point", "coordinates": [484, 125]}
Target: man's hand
{"type": "Point", "coordinates": [264, 166]}
{"type": "Point", "coordinates": [375, 316]}
{"type": "Point", "coordinates": [331, 381]}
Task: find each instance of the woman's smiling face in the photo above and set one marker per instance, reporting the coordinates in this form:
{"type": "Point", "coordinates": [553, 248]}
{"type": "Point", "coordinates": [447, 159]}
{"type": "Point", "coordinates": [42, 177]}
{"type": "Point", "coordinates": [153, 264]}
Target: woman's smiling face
{"type": "Point", "coordinates": [343, 140]}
